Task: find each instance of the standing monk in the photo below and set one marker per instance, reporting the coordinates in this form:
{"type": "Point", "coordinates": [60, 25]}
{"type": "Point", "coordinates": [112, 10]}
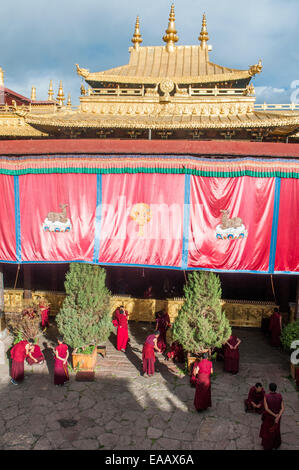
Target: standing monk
{"type": "Point", "coordinates": [121, 321]}
{"type": "Point", "coordinates": [61, 374]}
{"type": "Point", "coordinates": [162, 325]}
{"type": "Point", "coordinates": [275, 328]}
{"type": "Point", "coordinates": [255, 400]}
{"type": "Point", "coordinates": [18, 355]}
{"type": "Point", "coordinates": [231, 355]}
{"type": "Point", "coordinates": [148, 354]}
{"type": "Point", "coordinates": [202, 399]}
{"type": "Point", "coordinates": [270, 428]}
{"type": "Point", "coordinates": [194, 372]}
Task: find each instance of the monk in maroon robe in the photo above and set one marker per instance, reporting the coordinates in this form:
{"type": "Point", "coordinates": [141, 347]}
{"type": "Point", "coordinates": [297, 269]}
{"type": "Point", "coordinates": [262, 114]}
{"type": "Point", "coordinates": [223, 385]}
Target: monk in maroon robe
{"type": "Point", "coordinates": [270, 428]}
{"type": "Point", "coordinates": [44, 315]}
{"type": "Point", "coordinates": [193, 375]}
{"type": "Point", "coordinates": [162, 325]}
{"type": "Point", "coordinates": [231, 355]}
{"type": "Point", "coordinates": [61, 374]}
{"type": "Point", "coordinates": [176, 352]}
{"type": "Point", "coordinates": [121, 322]}
{"type": "Point", "coordinates": [255, 400]}
{"type": "Point", "coordinates": [18, 355]}
{"type": "Point", "coordinates": [202, 399]}
{"type": "Point", "coordinates": [148, 354]}
{"type": "Point", "coordinates": [275, 326]}
{"type": "Point", "coordinates": [35, 356]}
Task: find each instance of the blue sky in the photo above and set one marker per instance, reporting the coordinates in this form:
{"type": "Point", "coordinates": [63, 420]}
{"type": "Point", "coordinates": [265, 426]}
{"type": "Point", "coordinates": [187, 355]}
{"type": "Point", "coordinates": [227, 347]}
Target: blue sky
{"type": "Point", "coordinates": [42, 40]}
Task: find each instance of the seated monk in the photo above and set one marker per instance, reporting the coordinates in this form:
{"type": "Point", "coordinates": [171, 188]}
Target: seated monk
{"type": "Point", "coordinates": [255, 400]}
{"type": "Point", "coordinates": [35, 356]}
{"type": "Point", "coordinates": [176, 352]}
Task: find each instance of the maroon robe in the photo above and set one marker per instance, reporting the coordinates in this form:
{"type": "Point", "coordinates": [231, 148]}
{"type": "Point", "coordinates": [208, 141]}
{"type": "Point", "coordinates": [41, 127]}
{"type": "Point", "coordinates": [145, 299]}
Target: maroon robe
{"type": "Point", "coordinates": [275, 329]}
{"type": "Point", "coordinates": [37, 354]}
{"type": "Point", "coordinates": [231, 356]}
{"type": "Point", "coordinates": [121, 321]}
{"type": "Point", "coordinates": [297, 376]}
{"type": "Point", "coordinates": [176, 352]}
{"type": "Point", "coordinates": [148, 356]}
{"type": "Point", "coordinates": [44, 315]}
{"type": "Point", "coordinates": [257, 398]}
{"type": "Point", "coordinates": [270, 431]}
{"type": "Point", "coordinates": [162, 325]}
{"type": "Point", "coordinates": [18, 355]}
{"type": "Point", "coordinates": [202, 399]}
{"type": "Point", "coordinates": [193, 378]}
{"type": "Point", "coordinates": [61, 373]}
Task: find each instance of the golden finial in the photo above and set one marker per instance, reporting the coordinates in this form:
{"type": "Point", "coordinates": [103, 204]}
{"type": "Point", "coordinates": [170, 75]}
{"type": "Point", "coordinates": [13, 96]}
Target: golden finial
{"type": "Point", "coordinates": [171, 37]}
{"type": "Point", "coordinates": [50, 91]}
{"type": "Point", "coordinates": [69, 103]}
{"type": "Point", "coordinates": [33, 93]}
{"type": "Point", "coordinates": [137, 39]}
{"type": "Point", "coordinates": [1, 77]}
{"type": "Point", "coordinates": [60, 96]}
{"type": "Point", "coordinates": [203, 37]}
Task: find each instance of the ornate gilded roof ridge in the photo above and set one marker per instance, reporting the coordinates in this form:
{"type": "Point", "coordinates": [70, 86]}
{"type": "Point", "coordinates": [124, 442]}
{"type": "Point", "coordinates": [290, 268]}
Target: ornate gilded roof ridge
{"type": "Point", "coordinates": [167, 122]}
{"type": "Point", "coordinates": [241, 74]}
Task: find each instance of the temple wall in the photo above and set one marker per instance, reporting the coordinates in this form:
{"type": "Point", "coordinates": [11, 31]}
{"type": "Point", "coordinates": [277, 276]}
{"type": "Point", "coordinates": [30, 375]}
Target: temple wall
{"type": "Point", "coordinates": [240, 313]}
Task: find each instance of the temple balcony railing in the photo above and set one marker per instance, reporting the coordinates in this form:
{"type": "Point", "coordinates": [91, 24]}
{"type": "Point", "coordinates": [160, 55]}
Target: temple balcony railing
{"type": "Point", "coordinates": [240, 313]}
{"type": "Point", "coordinates": [276, 107]}
{"type": "Point", "coordinates": [215, 91]}
{"type": "Point", "coordinates": [118, 91]}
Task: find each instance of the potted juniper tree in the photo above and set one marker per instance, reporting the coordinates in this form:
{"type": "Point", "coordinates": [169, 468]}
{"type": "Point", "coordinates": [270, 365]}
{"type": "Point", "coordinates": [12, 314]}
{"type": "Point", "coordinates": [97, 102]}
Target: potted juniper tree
{"type": "Point", "coordinates": [201, 324]}
{"type": "Point", "coordinates": [289, 340]}
{"type": "Point", "coordinates": [84, 319]}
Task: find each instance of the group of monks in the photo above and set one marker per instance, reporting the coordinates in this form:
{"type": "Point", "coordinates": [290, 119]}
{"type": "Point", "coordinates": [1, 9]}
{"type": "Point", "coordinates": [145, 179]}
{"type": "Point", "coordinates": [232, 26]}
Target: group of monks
{"type": "Point", "coordinates": [269, 405]}
{"type": "Point", "coordinates": [27, 350]}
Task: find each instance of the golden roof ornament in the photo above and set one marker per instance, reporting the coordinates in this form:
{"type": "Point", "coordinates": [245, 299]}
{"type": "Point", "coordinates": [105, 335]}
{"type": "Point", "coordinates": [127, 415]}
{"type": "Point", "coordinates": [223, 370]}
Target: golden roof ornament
{"type": "Point", "coordinates": [171, 37]}
{"type": "Point", "coordinates": [203, 37]}
{"type": "Point", "coordinates": [50, 92]}
{"type": "Point", "coordinates": [254, 69]}
{"type": "Point", "coordinates": [33, 93]}
{"type": "Point", "coordinates": [60, 96]}
{"type": "Point", "coordinates": [69, 102]}
{"type": "Point", "coordinates": [137, 39]}
{"type": "Point", "coordinates": [1, 77]}
{"type": "Point", "coordinates": [83, 72]}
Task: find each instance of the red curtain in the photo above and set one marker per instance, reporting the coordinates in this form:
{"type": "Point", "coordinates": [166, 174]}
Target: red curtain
{"type": "Point", "coordinates": [43, 194]}
{"type": "Point", "coordinates": [287, 248]}
{"type": "Point", "coordinates": [7, 219]}
{"type": "Point", "coordinates": [245, 247]}
{"type": "Point", "coordinates": [142, 218]}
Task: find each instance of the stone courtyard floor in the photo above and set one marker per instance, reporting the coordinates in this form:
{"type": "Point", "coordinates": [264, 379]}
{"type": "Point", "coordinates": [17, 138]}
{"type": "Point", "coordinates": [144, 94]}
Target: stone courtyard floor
{"type": "Point", "coordinates": [122, 410]}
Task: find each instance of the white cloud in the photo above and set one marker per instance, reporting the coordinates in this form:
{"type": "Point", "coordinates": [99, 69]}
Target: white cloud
{"type": "Point", "coordinates": [45, 39]}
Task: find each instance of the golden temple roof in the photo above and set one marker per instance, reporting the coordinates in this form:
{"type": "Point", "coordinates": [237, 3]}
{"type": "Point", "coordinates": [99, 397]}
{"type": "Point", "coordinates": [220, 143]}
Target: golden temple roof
{"type": "Point", "coordinates": [184, 64]}
{"type": "Point", "coordinates": [187, 64]}
{"type": "Point", "coordinates": [164, 120]}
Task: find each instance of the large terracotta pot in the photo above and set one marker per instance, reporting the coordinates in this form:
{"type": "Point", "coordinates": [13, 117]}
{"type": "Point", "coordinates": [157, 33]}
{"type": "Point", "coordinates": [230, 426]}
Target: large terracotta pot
{"type": "Point", "coordinates": [85, 361]}
{"type": "Point", "coordinates": [293, 370]}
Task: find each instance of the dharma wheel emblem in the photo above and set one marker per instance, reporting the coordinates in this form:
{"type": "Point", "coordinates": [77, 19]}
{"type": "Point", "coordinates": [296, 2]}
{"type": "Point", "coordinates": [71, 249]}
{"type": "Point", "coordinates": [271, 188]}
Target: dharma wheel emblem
{"type": "Point", "coordinates": [141, 213]}
{"type": "Point", "coordinates": [167, 86]}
